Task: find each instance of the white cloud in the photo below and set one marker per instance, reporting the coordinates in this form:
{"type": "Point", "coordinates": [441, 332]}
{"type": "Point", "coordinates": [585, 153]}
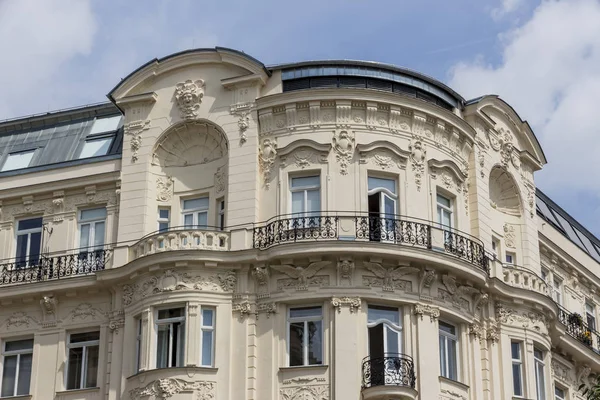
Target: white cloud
{"type": "Point", "coordinates": [38, 37]}
{"type": "Point", "coordinates": [507, 7]}
{"type": "Point", "coordinates": [550, 73]}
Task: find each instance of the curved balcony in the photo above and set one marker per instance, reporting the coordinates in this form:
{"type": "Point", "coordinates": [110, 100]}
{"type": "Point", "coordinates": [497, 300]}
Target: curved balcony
{"type": "Point", "coordinates": [524, 278]}
{"type": "Point", "coordinates": [324, 226]}
{"type": "Point", "coordinates": [46, 267]}
{"type": "Point", "coordinates": [579, 330]}
{"type": "Point", "coordinates": [181, 238]}
{"type": "Point", "coordinates": [391, 376]}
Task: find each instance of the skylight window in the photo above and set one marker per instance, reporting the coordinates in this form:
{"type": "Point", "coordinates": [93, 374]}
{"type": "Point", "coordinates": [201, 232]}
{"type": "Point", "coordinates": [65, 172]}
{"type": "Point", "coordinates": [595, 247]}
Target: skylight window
{"type": "Point", "coordinates": [96, 147]}
{"type": "Point", "coordinates": [18, 160]}
{"type": "Point", "coordinates": [102, 125]}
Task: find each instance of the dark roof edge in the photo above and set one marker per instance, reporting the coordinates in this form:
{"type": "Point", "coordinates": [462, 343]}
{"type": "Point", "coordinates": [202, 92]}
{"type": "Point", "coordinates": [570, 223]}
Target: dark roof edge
{"type": "Point", "coordinates": [217, 49]}
{"type": "Point", "coordinates": [568, 217]}
{"type": "Point", "coordinates": [373, 64]}
{"type": "Point", "coordinates": [73, 112]}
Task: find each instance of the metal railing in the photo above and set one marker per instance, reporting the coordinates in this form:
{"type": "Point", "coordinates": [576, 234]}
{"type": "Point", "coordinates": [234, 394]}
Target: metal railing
{"type": "Point", "coordinates": [324, 226]}
{"type": "Point", "coordinates": [393, 369]}
{"type": "Point", "coordinates": [578, 329]}
{"type": "Point", "coordinates": [50, 267]}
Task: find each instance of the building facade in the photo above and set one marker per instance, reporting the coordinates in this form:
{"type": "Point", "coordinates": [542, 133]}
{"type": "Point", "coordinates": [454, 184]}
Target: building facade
{"type": "Point", "coordinates": [322, 230]}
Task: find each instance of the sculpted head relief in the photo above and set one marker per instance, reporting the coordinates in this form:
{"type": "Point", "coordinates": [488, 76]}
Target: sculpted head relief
{"type": "Point", "coordinates": [188, 96]}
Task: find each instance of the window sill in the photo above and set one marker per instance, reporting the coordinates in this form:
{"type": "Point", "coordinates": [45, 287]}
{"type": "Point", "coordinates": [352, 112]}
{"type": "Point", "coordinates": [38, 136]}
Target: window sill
{"type": "Point", "coordinates": [453, 382]}
{"type": "Point", "coordinates": [69, 391]}
{"type": "Point", "coordinates": [207, 370]}
{"type": "Point", "coordinates": [18, 397]}
{"type": "Point", "coordinates": [304, 367]}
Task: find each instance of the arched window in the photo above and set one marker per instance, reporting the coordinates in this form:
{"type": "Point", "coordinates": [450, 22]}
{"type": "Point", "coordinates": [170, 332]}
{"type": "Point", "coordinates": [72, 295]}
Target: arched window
{"type": "Point", "coordinates": [385, 342]}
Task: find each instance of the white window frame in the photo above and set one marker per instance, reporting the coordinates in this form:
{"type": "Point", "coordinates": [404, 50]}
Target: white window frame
{"type": "Point", "coordinates": [92, 232]}
{"type": "Point", "coordinates": [591, 314]}
{"type": "Point", "coordinates": [28, 232]}
{"type": "Point", "coordinates": [513, 258]}
{"type": "Point", "coordinates": [162, 220]}
{"type": "Point", "coordinates": [557, 289]}
{"type": "Point", "coordinates": [562, 396]}
{"type": "Point", "coordinates": [138, 344]}
{"type": "Point", "coordinates": [91, 139]}
{"type": "Point", "coordinates": [443, 209]}
{"type": "Point", "coordinates": [398, 328]}
{"type": "Point", "coordinates": [447, 338]}
{"type": "Point", "coordinates": [17, 353]}
{"type": "Point", "coordinates": [305, 189]}
{"type": "Point", "coordinates": [20, 153]}
{"type": "Point", "coordinates": [221, 213]}
{"type": "Point", "coordinates": [179, 358]}
{"type": "Point", "coordinates": [207, 328]}
{"type": "Point", "coordinates": [495, 247]}
{"type": "Point", "coordinates": [305, 344]}
{"type": "Point", "coordinates": [539, 366]}
{"type": "Point", "coordinates": [84, 362]}
{"type": "Point", "coordinates": [194, 212]}
{"type": "Point", "coordinates": [519, 362]}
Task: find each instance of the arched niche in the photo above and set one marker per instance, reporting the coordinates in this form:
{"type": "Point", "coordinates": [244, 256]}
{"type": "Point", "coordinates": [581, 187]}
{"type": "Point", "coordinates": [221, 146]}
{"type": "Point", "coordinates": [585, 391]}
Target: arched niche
{"type": "Point", "coordinates": [190, 143]}
{"type": "Point", "coordinates": [504, 192]}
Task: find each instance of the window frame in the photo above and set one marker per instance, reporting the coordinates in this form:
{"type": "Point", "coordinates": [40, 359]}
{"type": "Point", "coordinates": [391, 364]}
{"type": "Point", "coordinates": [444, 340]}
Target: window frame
{"type": "Point", "coordinates": [388, 324]}
{"type": "Point", "coordinates": [138, 343]}
{"type": "Point", "coordinates": [305, 343]}
{"type": "Point", "coordinates": [564, 395]}
{"type": "Point", "coordinates": [194, 212]}
{"type": "Point", "coordinates": [161, 220]}
{"type": "Point", "coordinates": [18, 353]}
{"type": "Point", "coordinates": [449, 337]}
{"type": "Point", "coordinates": [519, 362]}
{"type": "Point", "coordinates": [84, 362]}
{"type": "Point", "coordinates": [221, 213]}
{"type": "Point", "coordinates": [539, 365]}
{"type": "Point", "coordinates": [96, 138]}
{"type": "Point", "coordinates": [92, 231]}
{"type": "Point", "coordinates": [513, 257]}
{"type": "Point", "coordinates": [442, 208]}
{"type": "Point", "coordinates": [7, 158]}
{"type": "Point", "coordinates": [305, 189]}
{"type": "Point", "coordinates": [208, 328]}
{"type": "Point", "coordinates": [28, 232]}
{"type": "Point", "coordinates": [179, 358]}
{"type": "Point", "coordinates": [590, 315]}
{"type": "Point", "coordinates": [557, 289]}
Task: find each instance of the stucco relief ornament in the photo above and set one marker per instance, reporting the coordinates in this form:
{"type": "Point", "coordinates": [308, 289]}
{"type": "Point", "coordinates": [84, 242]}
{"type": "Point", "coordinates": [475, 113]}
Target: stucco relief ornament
{"type": "Point", "coordinates": [168, 387]}
{"type": "Point", "coordinates": [345, 270]}
{"type": "Point", "coordinates": [389, 275]}
{"type": "Point", "coordinates": [426, 309]}
{"type": "Point", "coordinates": [188, 96]}
{"type": "Point", "coordinates": [261, 276]}
{"type": "Point", "coordinates": [343, 145]}
{"type": "Point", "coordinates": [266, 158]}
{"type": "Point", "coordinates": [221, 179]}
{"type": "Point", "coordinates": [509, 235]}
{"type": "Point", "coordinates": [135, 129]}
{"type": "Point", "coordinates": [418, 153]}
{"type": "Point", "coordinates": [352, 302]}
{"type": "Point", "coordinates": [164, 188]}
{"type": "Point", "coordinates": [317, 392]}
{"type": "Point", "coordinates": [243, 125]}
{"type": "Point", "coordinates": [301, 275]}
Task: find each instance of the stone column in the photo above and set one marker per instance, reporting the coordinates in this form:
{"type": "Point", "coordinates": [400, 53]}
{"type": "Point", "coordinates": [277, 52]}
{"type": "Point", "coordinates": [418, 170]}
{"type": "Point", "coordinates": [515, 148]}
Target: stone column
{"type": "Point", "coordinates": [426, 358]}
{"type": "Point", "coordinates": [347, 357]}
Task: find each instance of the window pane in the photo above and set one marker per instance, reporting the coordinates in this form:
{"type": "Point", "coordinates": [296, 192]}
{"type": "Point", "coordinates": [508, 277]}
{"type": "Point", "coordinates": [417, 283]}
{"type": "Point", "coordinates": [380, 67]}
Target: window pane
{"type": "Point", "coordinates": [16, 345]}
{"type": "Point", "coordinates": [559, 393]}
{"type": "Point", "coordinates": [315, 345]}
{"type": "Point", "coordinates": [95, 148]}
{"type": "Point", "coordinates": [379, 183]}
{"type": "Point", "coordinates": [306, 181]}
{"type": "Point", "coordinates": [99, 234]}
{"type": "Point", "coordinates": [305, 312]}
{"type": "Point", "coordinates": [34, 223]}
{"type": "Point", "coordinates": [443, 353]}
{"type": "Point", "coordinates": [74, 368]}
{"type": "Point", "coordinates": [297, 202]}
{"type": "Point", "coordinates": [163, 213]}
{"type": "Point", "coordinates": [9, 375]}
{"type": "Point", "coordinates": [392, 341]}
{"type": "Point", "coordinates": [538, 354]}
{"type": "Point", "coordinates": [162, 346]}
{"type": "Point", "coordinates": [296, 343]}
{"type": "Point", "coordinates": [515, 349]}
{"type": "Point", "coordinates": [207, 346]}
{"type": "Point", "coordinates": [92, 367]}
{"type": "Point", "coordinates": [444, 327]}
{"type": "Point", "coordinates": [84, 337]}
{"type": "Point", "coordinates": [203, 219]}
{"type": "Point", "coordinates": [376, 313]}
{"type": "Point", "coordinates": [313, 200]}
{"type": "Point", "coordinates": [452, 372]}
{"type": "Point", "coordinates": [35, 247]}
{"type": "Point", "coordinates": [171, 313]}
{"type": "Point", "coordinates": [18, 160]}
{"type": "Point", "coordinates": [178, 344]}
{"type": "Point", "coordinates": [192, 204]}
{"type": "Point", "coordinates": [94, 214]}
{"type": "Point", "coordinates": [163, 226]}
{"type": "Point", "coordinates": [105, 124]}
{"type": "Point", "coordinates": [207, 317]}
{"type": "Point", "coordinates": [443, 201]}
{"type": "Point", "coordinates": [517, 384]}
{"type": "Point", "coordinates": [188, 220]}
{"type": "Point", "coordinates": [541, 384]}
{"type": "Point", "coordinates": [22, 249]}
{"type": "Point", "coordinates": [25, 362]}
{"type": "Point", "coordinates": [84, 235]}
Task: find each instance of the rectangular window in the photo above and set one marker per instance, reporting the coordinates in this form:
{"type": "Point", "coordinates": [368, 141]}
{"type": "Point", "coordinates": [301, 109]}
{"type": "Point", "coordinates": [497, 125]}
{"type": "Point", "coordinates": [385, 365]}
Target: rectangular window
{"type": "Point", "coordinates": [164, 219]}
{"type": "Point", "coordinates": [517, 368]}
{"type": "Point", "coordinates": [559, 394]}
{"type": "Point", "coordinates": [138, 344]}
{"type": "Point", "coordinates": [102, 125]}
{"type": "Point", "coordinates": [444, 211]}
{"type": "Point", "coordinates": [82, 364]}
{"type": "Point", "coordinates": [545, 275]}
{"type": "Point", "coordinates": [305, 336]}
{"type": "Point", "coordinates": [448, 351]}
{"type": "Point", "coordinates": [306, 195]}
{"type": "Point", "coordinates": [29, 242]}
{"type": "Point", "coordinates": [195, 213]}
{"type": "Point", "coordinates": [17, 356]}
{"type": "Point", "coordinates": [170, 337]}
{"type": "Point", "coordinates": [557, 290]}
{"type": "Point", "coordinates": [92, 225]}
{"type": "Point", "coordinates": [495, 247]}
{"type": "Point", "coordinates": [18, 160]}
{"type": "Point", "coordinates": [540, 383]}
{"type": "Point", "coordinates": [208, 336]}
{"type": "Point", "coordinates": [590, 312]}
{"type": "Point", "coordinates": [221, 215]}
{"type": "Point", "coordinates": [510, 258]}
{"type": "Point", "coordinates": [96, 147]}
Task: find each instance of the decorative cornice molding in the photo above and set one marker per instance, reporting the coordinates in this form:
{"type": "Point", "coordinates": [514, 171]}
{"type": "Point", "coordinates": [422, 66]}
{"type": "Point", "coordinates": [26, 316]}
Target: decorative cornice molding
{"type": "Point", "coordinates": [427, 309]}
{"type": "Point", "coordinates": [352, 302]}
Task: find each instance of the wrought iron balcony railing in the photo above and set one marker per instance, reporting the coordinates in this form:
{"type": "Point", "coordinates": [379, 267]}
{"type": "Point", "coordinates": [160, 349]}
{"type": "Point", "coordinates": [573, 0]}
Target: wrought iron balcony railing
{"type": "Point", "coordinates": [322, 226]}
{"type": "Point", "coordinates": [50, 267]}
{"type": "Point", "coordinates": [578, 329]}
{"type": "Point", "coordinates": [390, 370]}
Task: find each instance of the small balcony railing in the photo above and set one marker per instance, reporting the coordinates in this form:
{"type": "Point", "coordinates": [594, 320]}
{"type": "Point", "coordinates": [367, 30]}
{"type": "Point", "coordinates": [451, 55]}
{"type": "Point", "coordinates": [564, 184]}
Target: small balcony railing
{"type": "Point", "coordinates": [390, 370]}
{"type": "Point", "coordinates": [51, 267]}
{"type": "Point", "coordinates": [327, 226]}
{"type": "Point", "coordinates": [524, 278]}
{"type": "Point", "coordinates": [578, 329]}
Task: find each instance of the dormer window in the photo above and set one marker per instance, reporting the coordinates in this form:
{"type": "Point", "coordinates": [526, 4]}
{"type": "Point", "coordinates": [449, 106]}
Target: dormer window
{"type": "Point", "coordinates": [18, 160]}
{"type": "Point", "coordinates": [96, 147]}
{"type": "Point", "coordinates": [100, 137]}
{"type": "Point", "coordinates": [102, 125]}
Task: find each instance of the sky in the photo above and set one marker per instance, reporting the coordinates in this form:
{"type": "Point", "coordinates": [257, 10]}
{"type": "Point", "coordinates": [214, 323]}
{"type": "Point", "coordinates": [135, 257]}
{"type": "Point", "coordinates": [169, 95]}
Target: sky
{"type": "Point", "coordinates": [542, 57]}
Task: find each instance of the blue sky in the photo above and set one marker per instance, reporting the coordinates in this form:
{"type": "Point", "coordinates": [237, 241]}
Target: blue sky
{"type": "Point", "coordinates": [543, 57]}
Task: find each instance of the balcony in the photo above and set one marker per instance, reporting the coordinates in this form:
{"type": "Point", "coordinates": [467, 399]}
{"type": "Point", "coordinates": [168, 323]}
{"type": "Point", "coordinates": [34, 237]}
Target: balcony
{"type": "Point", "coordinates": [391, 376]}
{"type": "Point", "coordinates": [524, 278]}
{"type": "Point", "coordinates": [403, 231]}
{"type": "Point", "coordinates": [181, 238]}
{"type": "Point", "coordinates": [579, 330]}
{"type": "Point", "coordinates": [53, 267]}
